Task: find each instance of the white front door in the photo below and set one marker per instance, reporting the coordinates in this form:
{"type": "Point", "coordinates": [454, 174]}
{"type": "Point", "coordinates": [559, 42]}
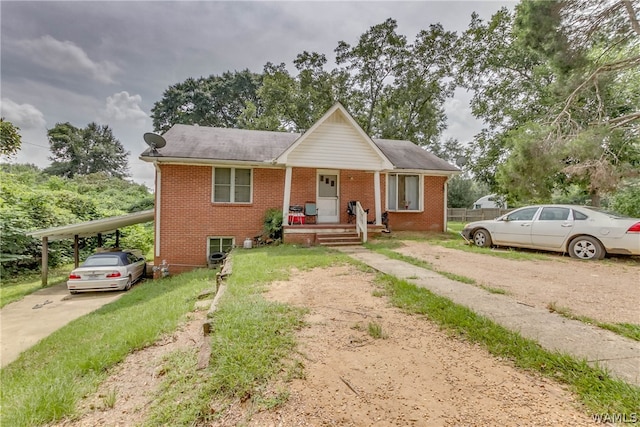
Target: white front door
{"type": "Point", "coordinates": [328, 201]}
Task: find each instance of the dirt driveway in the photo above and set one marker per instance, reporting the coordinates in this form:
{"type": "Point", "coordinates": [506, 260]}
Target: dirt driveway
{"type": "Point", "coordinates": [415, 375]}
{"type": "Point", "coordinates": [607, 291]}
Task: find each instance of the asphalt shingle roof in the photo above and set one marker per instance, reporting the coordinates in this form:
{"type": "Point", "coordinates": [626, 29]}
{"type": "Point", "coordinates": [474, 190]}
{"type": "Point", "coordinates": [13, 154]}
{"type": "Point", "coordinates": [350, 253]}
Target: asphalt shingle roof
{"type": "Point", "coordinates": [407, 155]}
{"type": "Point", "coordinates": [201, 142]}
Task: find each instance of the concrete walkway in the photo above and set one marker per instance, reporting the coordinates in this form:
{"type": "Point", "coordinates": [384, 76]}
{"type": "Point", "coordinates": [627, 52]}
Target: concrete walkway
{"type": "Point", "coordinates": [618, 355]}
{"type": "Point", "coordinates": [23, 323]}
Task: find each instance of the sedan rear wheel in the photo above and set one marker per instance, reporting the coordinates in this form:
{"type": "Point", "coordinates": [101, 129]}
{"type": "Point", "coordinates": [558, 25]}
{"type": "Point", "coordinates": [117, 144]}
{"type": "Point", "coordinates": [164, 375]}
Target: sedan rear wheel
{"type": "Point", "coordinates": [586, 247]}
{"type": "Point", "coordinates": [129, 283]}
{"type": "Point", "coordinates": [482, 238]}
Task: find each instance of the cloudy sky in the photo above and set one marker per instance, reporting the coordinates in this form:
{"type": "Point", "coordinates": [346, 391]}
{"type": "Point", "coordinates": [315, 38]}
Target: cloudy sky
{"type": "Point", "coordinates": [110, 61]}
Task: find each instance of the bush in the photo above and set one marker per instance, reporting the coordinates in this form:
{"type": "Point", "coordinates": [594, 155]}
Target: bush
{"type": "Point", "coordinates": [273, 223]}
{"type": "Point", "coordinates": [627, 200]}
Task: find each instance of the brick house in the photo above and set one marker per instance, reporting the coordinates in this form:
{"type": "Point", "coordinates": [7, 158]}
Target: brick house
{"type": "Point", "coordinates": [214, 185]}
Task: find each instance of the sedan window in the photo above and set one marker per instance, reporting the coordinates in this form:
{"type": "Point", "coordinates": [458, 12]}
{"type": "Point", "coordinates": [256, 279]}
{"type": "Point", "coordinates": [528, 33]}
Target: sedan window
{"type": "Point", "coordinates": [554, 214]}
{"type": "Point", "coordinates": [579, 215]}
{"type": "Point", "coordinates": [526, 214]}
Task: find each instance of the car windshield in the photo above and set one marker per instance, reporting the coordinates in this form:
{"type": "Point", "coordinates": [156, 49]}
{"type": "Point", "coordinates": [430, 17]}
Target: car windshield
{"type": "Point", "coordinates": [102, 261]}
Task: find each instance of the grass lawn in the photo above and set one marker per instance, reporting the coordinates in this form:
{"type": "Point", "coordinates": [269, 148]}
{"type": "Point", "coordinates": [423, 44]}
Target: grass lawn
{"type": "Point", "coordinates": [253, 343]}
{"type": "Point", "coordinates": [45, 383]}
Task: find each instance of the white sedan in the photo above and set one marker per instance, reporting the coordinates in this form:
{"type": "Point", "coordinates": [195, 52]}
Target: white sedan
{"type": "Point", "coordinates": [584, 232]}
{"type": "Point", "coordinates": [107, 271]}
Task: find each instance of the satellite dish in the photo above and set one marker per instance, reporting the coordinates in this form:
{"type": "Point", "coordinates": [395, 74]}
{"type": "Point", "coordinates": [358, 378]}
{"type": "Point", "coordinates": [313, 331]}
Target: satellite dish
{"type": "Point", "coordinates": [154, 140]}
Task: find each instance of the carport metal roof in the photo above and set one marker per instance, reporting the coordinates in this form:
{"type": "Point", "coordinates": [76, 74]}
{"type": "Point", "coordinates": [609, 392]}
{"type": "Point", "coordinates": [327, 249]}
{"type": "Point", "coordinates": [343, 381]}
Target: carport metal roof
{"type": "Point", "coordinates": [91, 228]}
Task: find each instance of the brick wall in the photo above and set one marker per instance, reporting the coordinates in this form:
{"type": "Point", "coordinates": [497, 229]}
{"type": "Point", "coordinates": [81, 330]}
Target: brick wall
{"type": "Point", "coordinates": [303, 186]}
{"type": "Point", "coordinates": [432, 219]}
{"type": "Point", "coordinates": [358, 185]}
{"type": "Point", "coordinates": [189, 217]}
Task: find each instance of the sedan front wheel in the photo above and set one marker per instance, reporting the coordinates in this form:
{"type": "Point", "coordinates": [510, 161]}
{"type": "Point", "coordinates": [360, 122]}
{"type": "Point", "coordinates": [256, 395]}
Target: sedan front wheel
{"type": "Point", "coordinates": [482, 238]}
{"type": "Point", "coordinates": [586, 247]}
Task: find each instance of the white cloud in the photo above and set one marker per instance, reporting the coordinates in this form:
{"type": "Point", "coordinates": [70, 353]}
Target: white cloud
{"type": "Point", "coordinates": [124, 107]}
{"type": "Point", "coordinates": [67, 57]}
{"type": "Point", "coordinates": [25, 116]}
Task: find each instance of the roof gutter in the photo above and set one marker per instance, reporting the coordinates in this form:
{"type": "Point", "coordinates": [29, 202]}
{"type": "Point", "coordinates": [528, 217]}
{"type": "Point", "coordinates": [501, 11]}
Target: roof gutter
{"type": "Point", "coordinates": [430, 172]}
{"type": "Point", "coordinates": [209, 162]}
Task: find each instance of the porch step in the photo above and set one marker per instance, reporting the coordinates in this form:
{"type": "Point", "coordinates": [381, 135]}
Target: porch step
{"type": "Point", "coordinates": [338, 239]}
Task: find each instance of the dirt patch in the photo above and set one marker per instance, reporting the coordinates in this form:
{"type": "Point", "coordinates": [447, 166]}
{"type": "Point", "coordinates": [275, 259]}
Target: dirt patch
{"type": "Point", "coordinates": [607, 291]}
{"type": "Point", "coordinates": [414, 375]}
{"type": "Point", "coordinates": [133, 382]}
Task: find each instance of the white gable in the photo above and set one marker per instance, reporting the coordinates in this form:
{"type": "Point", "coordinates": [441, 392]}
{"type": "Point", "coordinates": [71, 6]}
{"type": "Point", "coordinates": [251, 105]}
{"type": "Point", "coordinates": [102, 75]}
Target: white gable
{"type": "Point", "coordinates": [335, 142]}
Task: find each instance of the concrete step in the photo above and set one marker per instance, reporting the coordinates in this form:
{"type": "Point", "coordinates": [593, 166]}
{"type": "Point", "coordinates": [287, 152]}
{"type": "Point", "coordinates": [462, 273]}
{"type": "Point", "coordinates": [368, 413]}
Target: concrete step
{"type": "Point", "coordinates": [338, 239]}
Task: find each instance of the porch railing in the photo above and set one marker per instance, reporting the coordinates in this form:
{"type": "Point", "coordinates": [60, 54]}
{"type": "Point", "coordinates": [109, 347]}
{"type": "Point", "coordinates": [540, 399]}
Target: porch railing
{"type": "Point", "coordinates": [361, 222]}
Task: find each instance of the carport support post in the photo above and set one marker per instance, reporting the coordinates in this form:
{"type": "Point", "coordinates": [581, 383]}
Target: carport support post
{"type": "Point", "coordinates": [76, 252]}
{"type": "Point", "coordinates": [45, 260]}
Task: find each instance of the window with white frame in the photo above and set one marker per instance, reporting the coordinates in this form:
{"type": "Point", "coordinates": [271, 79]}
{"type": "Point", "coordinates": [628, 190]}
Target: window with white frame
{"type": "Point", "coordinates": [220, 244]}
{"type": "Point", "coordinates": [403, 192]}
{"type": "Point", "coordinates": [231, 185]}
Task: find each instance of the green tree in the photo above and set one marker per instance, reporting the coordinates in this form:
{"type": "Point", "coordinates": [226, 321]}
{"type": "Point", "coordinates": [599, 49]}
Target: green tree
{"type": "Point", "coordinates": [556, 83]}
{"type": "Point", "coordinates": [217, 101]}
{"type": "Point", "coordinates": [509, 83]}
{"type": "Point", "coordinates": [627, 200]}
{"type": "Point", "coordinates": [393, 89]}
{"type": "Point", "coordinates": [85, 151]}
{"type": "Point", "coordinates": [31, 199]}
{"type": "Point", "coordinates": [10, 139]}
{"type": "Point", "coordinates": [371, 65]}
{"type": "Point", "coordinates": [295, 103]}
{"type": "Point", "coordinates": [412, 105]}
{"type": "Point", "coordinates": [462, 191]}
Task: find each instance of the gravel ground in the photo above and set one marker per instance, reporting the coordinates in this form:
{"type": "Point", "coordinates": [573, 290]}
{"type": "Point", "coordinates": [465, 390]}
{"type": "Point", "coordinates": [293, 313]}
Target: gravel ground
{"type": "Point", "coordinates": [607, 291]}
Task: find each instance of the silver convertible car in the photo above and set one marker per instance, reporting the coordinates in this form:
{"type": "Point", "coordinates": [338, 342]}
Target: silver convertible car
{"type": "Point", "coordinates": [584, 232]}
{"type": "Point", "coordinates": [106, 271]}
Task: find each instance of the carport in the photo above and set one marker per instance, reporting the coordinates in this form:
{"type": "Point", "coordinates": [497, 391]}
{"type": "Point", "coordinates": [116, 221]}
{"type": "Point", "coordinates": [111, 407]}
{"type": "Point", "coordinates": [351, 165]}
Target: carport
{"type": "Point", "coordinates": [86, 229]}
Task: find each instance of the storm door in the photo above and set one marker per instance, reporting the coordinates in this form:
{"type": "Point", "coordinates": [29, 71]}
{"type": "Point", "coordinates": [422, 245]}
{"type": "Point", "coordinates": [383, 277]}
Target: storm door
{"type": "Point", "coordinates": [328, 200]}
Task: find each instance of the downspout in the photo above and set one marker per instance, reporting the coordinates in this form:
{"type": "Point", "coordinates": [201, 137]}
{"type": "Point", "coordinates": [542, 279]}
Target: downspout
{"type": "Point", "coordinates": [76, 252]}
{"type": "Point", "coordinates": [45, 260]}
{"type": "Point", "coordinates": [377, 197]}
{"type": "Point", "coordinates": [446, 202]}
{"type": "Point", "coordinates": [157, 210]}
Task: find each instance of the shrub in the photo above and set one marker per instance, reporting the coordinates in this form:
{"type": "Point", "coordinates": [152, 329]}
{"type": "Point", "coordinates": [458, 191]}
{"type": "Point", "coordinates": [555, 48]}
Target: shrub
{"type": "Point", "coordinates": [273, 223]}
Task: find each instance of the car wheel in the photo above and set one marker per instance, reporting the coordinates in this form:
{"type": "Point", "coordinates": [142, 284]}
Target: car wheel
{"type": "Point", "coordinates": [129, 283]}
{"type": "Point", "coordinates": [482, 238]}
{"type": "Point", "coordinates": [586, 247]}
{"type": "Point", "coordinates": [73, 292]}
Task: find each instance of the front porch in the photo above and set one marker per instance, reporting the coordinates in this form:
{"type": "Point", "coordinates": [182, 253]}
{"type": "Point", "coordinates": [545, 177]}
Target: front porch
{"type": "Point", "coordinates": [328, 234]}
